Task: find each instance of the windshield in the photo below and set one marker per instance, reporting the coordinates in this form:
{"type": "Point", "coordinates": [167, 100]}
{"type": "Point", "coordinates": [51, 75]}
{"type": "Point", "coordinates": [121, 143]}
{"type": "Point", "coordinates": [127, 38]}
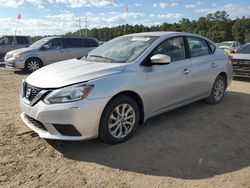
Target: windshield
{"type": "Point", "coordinates": [244, 49]}
{"type": "Point", "coordinates": [121, 50]}
{"type": "Point", "coordinates": [39, 43]}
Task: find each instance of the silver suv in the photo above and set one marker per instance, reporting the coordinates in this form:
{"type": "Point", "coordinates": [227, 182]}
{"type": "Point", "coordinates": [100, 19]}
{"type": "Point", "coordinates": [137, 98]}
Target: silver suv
{"type": "Point", "coordinates": [10, 42]}
{"type": "Point", "coordinates": [49, 50]}
{"type": "Point", "coordinates": [123, 83]}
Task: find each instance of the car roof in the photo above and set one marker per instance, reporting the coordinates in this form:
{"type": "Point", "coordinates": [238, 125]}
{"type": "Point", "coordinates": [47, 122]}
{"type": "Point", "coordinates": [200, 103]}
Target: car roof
{"type": "Point", "coordinates": [157, 34]}
{"type": "Point", "coordinates": [168, 34]}
{"type": "Point", "coordinates": [83, 37]}
{"type": "Point", "coordinates": [14, 36]}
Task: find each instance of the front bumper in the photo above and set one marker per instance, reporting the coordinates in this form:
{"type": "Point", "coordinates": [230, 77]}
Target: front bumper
{"type": "Point", "coordinates": [13, 63]}
{"type": "Point", "coordinates": [84, 115]}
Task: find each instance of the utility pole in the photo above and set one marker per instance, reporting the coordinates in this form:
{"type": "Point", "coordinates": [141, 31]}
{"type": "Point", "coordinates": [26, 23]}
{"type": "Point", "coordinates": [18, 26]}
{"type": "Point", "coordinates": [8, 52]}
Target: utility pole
{"type": "Point", "coordinates": [80, 27]}
{"type": "Point", "coordinates": [86, 27]}
{"type": "Point", "coordinates": [126, 13]}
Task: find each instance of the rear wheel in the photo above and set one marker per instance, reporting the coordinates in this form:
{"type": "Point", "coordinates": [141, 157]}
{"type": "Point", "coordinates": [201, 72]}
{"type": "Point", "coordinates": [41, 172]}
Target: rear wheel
{"type": "Point", "coordinates": [218, 91]}
{"type": "Point", "coordinates": [33, 64]}
{"type": "Point", "coordinates": [119, 120]}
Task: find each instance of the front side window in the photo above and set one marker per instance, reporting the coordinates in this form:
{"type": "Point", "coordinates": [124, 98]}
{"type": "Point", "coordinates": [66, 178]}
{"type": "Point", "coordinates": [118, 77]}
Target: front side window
{"type": "Point", "coordinates": [173, 47]}
{"type": "Point", "coordinates": [55, 44]}
{"type": "Point", "coordinates": [198, 47]}
{"type": "Point", "coordinates": [121, 50]}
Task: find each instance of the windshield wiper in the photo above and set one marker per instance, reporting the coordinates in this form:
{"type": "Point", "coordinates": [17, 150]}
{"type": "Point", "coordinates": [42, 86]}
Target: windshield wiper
{"type": "Point", "coordinates": [102, 57]}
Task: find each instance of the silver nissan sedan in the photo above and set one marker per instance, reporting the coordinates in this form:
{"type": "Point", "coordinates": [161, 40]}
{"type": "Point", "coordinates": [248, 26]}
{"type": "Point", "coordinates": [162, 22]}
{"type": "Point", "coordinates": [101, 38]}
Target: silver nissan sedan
{"type": "Point", "coordinates": [123, 83]}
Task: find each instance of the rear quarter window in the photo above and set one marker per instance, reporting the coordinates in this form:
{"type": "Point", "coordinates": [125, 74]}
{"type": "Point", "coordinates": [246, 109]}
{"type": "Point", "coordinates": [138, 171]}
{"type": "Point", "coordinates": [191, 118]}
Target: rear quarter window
{"type": "Point", "coordinates": [212, 47]}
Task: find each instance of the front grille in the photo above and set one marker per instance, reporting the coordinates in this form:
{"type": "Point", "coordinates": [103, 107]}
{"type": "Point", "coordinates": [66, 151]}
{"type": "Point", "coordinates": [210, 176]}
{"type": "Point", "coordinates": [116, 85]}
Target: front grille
{"type": "Point", "coordinates": [30, 92]}
{"type": "Point", "coordinates": [35, 122]}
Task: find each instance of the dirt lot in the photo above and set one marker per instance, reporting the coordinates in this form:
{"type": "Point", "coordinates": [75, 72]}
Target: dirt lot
{"type": "Point", "coordinates": [195, 146]}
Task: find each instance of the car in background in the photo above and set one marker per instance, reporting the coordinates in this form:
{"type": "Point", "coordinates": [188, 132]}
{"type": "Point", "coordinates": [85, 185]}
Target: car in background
{"type": "Point", "coordinates": [11, 42]}
{"type": "Point", "coordinates": [122, 83]}
{"type": "Point", "coordinates": [229, 46]}
{"type": "Point", "coordinates": [241, 61]}
{"type": "Point", "coordinates": [49, 50]}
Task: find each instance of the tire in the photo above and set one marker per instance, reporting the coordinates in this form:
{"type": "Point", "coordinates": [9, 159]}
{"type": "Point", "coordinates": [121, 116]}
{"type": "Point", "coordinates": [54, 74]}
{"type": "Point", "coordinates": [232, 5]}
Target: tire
{"type": "Point", "coordinates": [218, 91]}
{"type": "Point", "coordinates": [115, 126]}
{"type": "Point", "coordinates": [33, 64]}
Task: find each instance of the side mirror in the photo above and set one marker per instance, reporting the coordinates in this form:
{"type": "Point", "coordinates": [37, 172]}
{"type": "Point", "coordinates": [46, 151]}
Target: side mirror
{"type": "Point", "coordinates": [46, 47]}
{"type": "Point", "coordinates": [160, 59]}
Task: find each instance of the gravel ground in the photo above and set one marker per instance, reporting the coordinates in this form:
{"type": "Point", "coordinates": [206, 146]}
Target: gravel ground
{"type": "Point", "coordinates": [194, 146]}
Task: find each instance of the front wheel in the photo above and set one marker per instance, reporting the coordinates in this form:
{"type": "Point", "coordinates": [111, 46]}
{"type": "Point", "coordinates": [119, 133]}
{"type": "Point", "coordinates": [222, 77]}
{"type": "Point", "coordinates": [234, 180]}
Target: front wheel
{"type": "Point", "coordinates": [218, 91]}
{"type": "Point", "coordinates": [119, 120]}
{"type": "Point", "coordinates": [32, 65]}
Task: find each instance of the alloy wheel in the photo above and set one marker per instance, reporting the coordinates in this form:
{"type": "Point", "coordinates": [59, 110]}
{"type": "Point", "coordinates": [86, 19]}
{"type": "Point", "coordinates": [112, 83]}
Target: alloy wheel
{"type": "Point", "coordinates": [121, 120]}
{"type": "Point", "coordinates": [219, 89]}
{"type": "Point", "coordinates": [33, 66]}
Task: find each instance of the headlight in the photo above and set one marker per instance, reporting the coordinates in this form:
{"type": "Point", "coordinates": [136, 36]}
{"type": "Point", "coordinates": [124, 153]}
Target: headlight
{"type": "Point", "coordinates": [68, 94]}
{"type": "Point", "coordinates": [17, 56]}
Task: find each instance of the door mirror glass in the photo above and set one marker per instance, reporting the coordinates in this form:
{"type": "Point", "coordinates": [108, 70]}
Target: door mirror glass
{"type": "Point", "coordinates": [160, 59]}
{"type": "Point", "coordinates": [46, 47]}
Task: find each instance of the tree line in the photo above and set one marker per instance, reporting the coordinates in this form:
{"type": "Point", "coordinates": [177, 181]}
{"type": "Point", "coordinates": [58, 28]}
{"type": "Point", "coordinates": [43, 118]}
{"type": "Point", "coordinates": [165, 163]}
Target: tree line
{"type": "Point", "coordinates": [217, 26]}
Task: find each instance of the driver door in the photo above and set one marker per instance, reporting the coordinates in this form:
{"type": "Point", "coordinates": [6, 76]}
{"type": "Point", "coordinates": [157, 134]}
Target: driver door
{"type": "Point", "coordinates": [169, 84]}
{"type": "Point", "coordinates": [53, 51]}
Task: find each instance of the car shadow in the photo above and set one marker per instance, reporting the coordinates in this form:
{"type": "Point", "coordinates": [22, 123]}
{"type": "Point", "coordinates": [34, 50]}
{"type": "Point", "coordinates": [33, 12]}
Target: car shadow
{"type": "Point", "coordinates": [21, 72]}
{"type": "Point", "coordinates": [193, 142]}
{"type": "Point", "coordinates": [243, 79]}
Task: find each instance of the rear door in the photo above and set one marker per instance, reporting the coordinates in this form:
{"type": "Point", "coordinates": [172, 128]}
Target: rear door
{"type": "Point", "coordinates": [72, 48]}
{"type": "Point", "coordinates": [53, 51]}
{"type": "Point", "coordinates": [204, 65]}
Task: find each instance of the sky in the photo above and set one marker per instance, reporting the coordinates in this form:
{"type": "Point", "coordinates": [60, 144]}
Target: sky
{"type": "Point", "coordinates": [54, 17]}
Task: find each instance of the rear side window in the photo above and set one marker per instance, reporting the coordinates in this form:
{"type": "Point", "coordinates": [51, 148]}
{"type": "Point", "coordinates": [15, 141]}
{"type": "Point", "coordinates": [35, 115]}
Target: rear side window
{"type": "Point", "coordinates": [173, 47]}
{"type": "Point", "coordinates": [198, 47]}
{"type": "Point", "coordinates": [22, 40]}
{"type": "Point", "coordinates": [71, 43]}
{"type": "Point", "coordinates": [89, 43]}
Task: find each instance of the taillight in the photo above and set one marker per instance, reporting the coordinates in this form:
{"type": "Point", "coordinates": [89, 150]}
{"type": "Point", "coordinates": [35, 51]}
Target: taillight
{"type": "Point", "coordinates": [231, 58]}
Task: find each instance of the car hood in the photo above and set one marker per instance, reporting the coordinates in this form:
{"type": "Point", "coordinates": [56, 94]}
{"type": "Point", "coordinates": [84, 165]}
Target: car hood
{"type": "Point", "coordinates": [71, 71]}
{"type": "Point", "coordinates": [21, 50]}
{"type": "Point", "coordinates": [241, 56]}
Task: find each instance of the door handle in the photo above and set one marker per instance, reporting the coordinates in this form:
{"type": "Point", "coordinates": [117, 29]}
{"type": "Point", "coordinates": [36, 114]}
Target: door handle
{"type": "Point", "coordinates": [186, 71]}
{"type": "Point", "coordinates": [213, 65]}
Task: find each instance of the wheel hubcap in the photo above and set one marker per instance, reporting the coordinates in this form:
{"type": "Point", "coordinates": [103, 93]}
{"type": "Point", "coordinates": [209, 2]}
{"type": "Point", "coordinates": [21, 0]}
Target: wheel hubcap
{"type": "Point", "coordinates": [33, 66]}
{"type": "Point", "coordinates": [121, 121]}
{"type": "Point", "coordinates": [219, 90]}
